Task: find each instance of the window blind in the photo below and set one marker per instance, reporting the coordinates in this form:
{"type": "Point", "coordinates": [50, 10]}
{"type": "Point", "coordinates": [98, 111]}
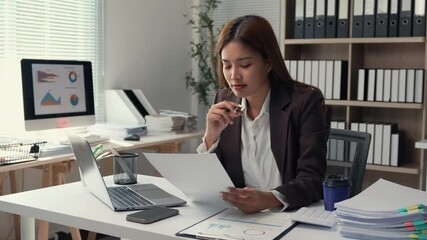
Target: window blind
{"type": "Point", "coordinates": [51, 29]}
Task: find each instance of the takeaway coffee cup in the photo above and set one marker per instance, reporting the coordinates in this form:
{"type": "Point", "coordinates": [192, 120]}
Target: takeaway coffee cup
{"type": "Point", "coordinates": [335, 189]}
{"type": "Point", "coordinates": [125, 168]}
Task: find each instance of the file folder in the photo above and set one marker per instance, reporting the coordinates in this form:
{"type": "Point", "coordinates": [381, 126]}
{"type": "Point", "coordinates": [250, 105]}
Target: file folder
{"type": "Point", "coordinates": [371, 84]}
{"type": "Point", "coordinates": [362, 127]}
{"type": "Point", "coordinates": [402, 85]}
{"type": "Point", "coordinates": [370, 128]}
{"type": "Point", "coordinates": [307, 72]}
{"type": "Point", "coordinates": [388, 130]}
{"type": "Point", "coordinates": [322, 76]}
{"type": "Point", "coordinates": [405, 18]}
{"type": "Point", "coordinates": [393, 22]}
{"type": "Point", "coordinates": [315, 73]}
{"type": "Point", "coordinates": [381, 22]}
{"type": "Point", "coordinates": [361, 85]}
{"type": "Point", "coordinates": [369, 19]}
{"type": "Point", "coordinates": [378, 144]}
{"type": "Point", "coordinates": [419, 85]}
{"type": "Point", "coordinates": [342, 24]}
{"type": "Point", "coordinates": [387, 85]}
{"type": "Point", "coordinates": [394, 155]}
{"type": "Point", "coordinates": [358, 19]}
{"type": "Point", "coordinates": [300, 71]}
{"type": "Point", "coordinates": [309, 19]}
{"type": "Point", "coordinates": [320, 18]}
{"type": "Point", "coordinates": [410, 85]}
{"type": "Point", "coordinates": [299, 19]}
{"type": "Point", "coordinates": [329, 79]}
{"type": "Point", "coordinates": [331, 19]}
{"type": "Point", "coordinates": [394, 85]}
{"type": "Point", "coordinates": [379, 85]}
{"type": "Point", "coordinates": [419, 21]}
{"type": "Point", "coordinates": [293, 69]}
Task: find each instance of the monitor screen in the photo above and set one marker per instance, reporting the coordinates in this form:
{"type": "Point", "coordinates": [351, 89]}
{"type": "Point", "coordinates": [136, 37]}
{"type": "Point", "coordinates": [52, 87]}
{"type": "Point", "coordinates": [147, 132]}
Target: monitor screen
{"type": "Point", "coordinates": [57, 94]}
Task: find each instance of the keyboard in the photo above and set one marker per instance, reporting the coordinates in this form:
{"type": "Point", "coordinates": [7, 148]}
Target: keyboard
{"type": "Point", "coordinates": [126, 198]}
{"type": "Point", "coordinates": [315, 216]}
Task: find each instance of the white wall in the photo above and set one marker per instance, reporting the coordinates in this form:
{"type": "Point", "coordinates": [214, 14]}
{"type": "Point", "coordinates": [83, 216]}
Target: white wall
{"type": "Point", "coordinates": [146, 47]}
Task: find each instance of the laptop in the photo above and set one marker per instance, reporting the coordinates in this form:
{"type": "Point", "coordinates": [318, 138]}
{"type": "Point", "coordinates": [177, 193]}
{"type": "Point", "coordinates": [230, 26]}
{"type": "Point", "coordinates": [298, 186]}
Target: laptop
{"type": "Point", "coordinates": [120, 197]}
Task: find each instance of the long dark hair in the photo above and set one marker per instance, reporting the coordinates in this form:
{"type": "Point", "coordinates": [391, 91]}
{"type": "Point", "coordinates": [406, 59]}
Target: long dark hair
{"type": "Point", "coordinates": [256, 33]}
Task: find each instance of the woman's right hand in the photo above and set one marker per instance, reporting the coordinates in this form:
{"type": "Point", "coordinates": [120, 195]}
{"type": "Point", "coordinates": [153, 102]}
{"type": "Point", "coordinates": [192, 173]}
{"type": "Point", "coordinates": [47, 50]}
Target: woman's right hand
{"type": "Point", "coordinates": [217, 119]}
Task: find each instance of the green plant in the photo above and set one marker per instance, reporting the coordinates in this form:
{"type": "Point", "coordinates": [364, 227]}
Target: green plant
{"type": "Point", "coordinates": [203, 51]}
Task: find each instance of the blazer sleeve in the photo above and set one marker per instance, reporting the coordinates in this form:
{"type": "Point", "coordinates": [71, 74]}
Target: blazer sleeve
{"type": "Point", "coordinates": [305, 162]}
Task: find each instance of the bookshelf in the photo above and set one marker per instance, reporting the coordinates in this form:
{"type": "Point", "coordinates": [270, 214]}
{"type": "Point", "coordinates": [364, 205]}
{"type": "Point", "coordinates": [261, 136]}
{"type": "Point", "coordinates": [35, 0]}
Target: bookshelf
{"type": "Point", "coordinates": [390, 52]}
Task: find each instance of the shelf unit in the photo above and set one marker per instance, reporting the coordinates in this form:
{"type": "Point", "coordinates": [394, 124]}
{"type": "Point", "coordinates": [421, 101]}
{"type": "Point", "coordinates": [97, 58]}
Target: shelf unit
{"type": "Point", "coordinates": [396, 52]}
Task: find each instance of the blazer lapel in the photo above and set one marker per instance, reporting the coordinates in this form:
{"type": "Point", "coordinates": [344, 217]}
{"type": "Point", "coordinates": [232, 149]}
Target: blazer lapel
{"type": "Point", "coordinates": [279, 122]}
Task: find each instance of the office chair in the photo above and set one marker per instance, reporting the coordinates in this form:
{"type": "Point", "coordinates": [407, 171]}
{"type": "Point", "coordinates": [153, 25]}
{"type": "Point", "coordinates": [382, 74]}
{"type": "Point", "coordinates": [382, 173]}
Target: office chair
{"type": "Point", "coordinates": [347, 154]}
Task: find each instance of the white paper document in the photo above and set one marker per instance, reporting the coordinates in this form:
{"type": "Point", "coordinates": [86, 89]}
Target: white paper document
{"type": "Point", "coordinates": [384, 196]}
{"type": "Point", "coordinates": [201, 177]}
{"type": "Point", "coordinates": [232, 224]}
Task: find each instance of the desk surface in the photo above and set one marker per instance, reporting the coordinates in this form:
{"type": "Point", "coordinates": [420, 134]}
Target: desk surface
{"type": "Point", "coordinates": [121, 145]}
{"type": "Point", "coordinates": [72, 205]}
{"type": "Point", "coordinates": [421, 144]}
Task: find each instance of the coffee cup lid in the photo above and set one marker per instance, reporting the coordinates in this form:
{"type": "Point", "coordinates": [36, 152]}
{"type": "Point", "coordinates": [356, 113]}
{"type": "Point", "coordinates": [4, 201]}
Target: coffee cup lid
{"type": "Point", "coordinates": [336, 181]}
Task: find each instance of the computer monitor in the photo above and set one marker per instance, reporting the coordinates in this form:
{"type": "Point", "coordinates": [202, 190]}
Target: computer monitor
{"type": "Point", "coordinates": [57, 94]}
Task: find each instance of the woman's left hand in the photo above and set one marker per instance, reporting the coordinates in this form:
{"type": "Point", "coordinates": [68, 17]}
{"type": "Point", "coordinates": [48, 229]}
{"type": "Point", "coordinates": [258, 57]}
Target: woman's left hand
{"type": "Point", "coordinates": [250, 200]}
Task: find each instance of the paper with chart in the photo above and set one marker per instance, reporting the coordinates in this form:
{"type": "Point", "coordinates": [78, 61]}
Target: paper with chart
{"type": "Point", "coordinates": [200, 177]}
{"type": "Point", "coordinates": [233, 224]}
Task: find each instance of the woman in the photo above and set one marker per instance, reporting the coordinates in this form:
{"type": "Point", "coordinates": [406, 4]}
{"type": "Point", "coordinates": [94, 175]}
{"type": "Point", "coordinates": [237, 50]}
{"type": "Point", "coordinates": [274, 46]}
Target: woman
{"type": "Point", "coordinates": [274, 148]}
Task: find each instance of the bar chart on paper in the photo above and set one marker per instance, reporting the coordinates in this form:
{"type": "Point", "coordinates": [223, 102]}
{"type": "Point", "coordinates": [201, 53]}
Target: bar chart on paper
{"type": "Point", "coordinates": [233, 224]}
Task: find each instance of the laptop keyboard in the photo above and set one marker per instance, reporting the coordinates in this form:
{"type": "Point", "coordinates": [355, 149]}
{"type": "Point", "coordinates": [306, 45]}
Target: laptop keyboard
{"type": "Point", "coordinates": [124, 197]}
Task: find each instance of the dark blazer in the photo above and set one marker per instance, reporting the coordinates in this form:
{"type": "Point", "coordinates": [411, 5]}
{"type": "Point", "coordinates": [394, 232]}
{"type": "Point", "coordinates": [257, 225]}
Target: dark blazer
{"type": "Point", "coordinates": [298, 132]}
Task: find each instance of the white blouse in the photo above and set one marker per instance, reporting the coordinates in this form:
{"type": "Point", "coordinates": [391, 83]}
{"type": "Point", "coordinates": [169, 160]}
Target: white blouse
{"type": "Point", "coordinates": [260, 169]}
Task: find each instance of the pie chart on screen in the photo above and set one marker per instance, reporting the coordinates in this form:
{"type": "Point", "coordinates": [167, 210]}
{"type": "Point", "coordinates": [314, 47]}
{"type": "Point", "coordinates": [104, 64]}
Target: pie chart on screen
{"type": "Point", "coordinates": [72, 76]}
{"type": "Point", "coordinates": [74, 100]}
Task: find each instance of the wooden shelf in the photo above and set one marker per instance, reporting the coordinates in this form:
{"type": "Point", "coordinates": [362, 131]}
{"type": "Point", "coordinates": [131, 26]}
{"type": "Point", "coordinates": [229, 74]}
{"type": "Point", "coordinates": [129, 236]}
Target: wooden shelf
{"type": "Point", "coordinates": [406, 169]}
{"type": "Point", "coordinates": [374, 104]}
{"type": "Point", "coordinates": [354, 40]}
{"type": "Point", "coordinates": [400, 169]}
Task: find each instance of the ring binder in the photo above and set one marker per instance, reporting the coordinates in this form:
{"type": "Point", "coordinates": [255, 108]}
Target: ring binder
{"type": "Point", "coordinates": [381, 21]}
{"type": "Point", "coordinates": [342, 23]}
{"type": "Point", "coordinates": [299, 19]}
{"type": "Point", "coordinates": [358, 10]}
{"type": "Point", "coordinates": [405, 18]}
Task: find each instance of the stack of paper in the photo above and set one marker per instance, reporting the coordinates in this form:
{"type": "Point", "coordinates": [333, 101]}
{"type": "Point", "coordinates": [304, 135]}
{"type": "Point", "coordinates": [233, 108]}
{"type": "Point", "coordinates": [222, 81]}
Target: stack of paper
{"type": "Point", "coordinates": [117, 130]}
{"type": "Point", "coordinates": [385, 210]}
{"type": "Point", "coordinates": [171, 121]}
{"type": "Point", "coordinates": [51, 149]}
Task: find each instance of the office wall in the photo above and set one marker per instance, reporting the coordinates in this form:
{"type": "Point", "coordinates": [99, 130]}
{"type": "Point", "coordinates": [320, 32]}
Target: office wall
{"type": "Point", "coordinates": [146, 47]}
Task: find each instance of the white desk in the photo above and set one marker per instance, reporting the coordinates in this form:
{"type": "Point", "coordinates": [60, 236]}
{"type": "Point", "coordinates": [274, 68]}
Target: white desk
{"type": "Point", "coordinates": [55, 167]}
{"type": "Point", "coordinates": [120, 145]}
{"type": "Point", "coordinates": [72, 205]}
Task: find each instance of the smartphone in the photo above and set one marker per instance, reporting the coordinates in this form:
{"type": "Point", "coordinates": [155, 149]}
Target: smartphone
{"type": "Point", "coordinates": [152, 215]}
